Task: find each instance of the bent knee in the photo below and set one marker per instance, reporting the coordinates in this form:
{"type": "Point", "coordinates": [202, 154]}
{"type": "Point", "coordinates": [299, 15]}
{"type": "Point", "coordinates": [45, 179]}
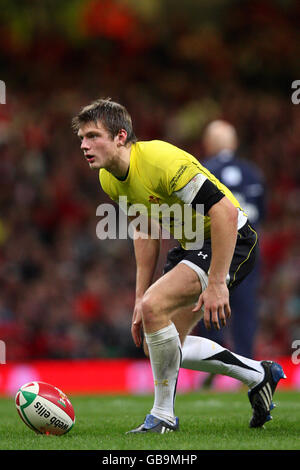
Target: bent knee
{"type": "Point", "coordinates": [150, 309]}
{"type": "Point", "coordinates": [155, 313]}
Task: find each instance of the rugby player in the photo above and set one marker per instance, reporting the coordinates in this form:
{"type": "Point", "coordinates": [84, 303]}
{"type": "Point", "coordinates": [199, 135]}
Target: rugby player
{"type": "Point", "coordinates": [198, 274]}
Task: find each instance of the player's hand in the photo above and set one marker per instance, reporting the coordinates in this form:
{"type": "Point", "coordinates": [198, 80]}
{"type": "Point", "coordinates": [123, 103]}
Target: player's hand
{"type": "Point", "coordinates": [215, 302]}
{"type": "Point", "coordinates": [136, 325]}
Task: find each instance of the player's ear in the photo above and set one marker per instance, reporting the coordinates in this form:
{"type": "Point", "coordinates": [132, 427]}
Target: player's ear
{"type": "Point", "coordinates": [122, 137]}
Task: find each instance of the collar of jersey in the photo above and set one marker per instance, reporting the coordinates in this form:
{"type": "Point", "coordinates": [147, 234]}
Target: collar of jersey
{"type": "Point", "coordinates": [125, 177]}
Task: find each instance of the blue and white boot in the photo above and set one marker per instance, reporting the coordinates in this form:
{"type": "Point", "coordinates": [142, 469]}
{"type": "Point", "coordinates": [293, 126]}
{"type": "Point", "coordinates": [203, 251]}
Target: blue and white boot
{"type": "Point", "coordinates": [153, 424]}
{"type": "Point", "coordinates": [261, 395]}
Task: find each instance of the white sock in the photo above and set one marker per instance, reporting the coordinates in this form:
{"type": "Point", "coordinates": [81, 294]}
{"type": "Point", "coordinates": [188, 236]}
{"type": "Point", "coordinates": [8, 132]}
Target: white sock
{"type": "Point", "coordinates": [205, 355]}
{"type": "Point", "coordinates": [165, 357]}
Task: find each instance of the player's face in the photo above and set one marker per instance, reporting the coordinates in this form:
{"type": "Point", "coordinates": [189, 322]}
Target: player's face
{"type": "Point", "coordinates": [98, 147]}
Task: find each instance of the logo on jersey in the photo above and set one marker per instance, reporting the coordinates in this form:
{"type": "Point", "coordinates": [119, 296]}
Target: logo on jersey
{"type": "Point", "coordinates": [178, 174]}
{"type": "Point", "coordinates": [154, 199]}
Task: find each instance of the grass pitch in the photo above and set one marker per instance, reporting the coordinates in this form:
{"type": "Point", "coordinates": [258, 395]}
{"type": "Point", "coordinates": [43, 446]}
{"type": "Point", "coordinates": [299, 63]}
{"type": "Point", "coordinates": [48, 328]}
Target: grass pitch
{"type": "Point", "coordinates": [208, 421]}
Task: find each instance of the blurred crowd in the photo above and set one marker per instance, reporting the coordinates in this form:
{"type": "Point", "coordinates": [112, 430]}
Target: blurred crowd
{"type": "Point", "coordinates": [64, 292]}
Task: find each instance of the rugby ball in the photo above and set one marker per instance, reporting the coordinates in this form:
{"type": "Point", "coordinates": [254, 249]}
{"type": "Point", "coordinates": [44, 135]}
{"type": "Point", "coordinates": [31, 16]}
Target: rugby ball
{"type": "Point", "coordinates": [44, 408]}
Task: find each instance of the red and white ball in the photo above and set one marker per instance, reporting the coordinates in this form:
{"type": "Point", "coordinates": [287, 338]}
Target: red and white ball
{"type": "Point", "coordinates": [44, 408]}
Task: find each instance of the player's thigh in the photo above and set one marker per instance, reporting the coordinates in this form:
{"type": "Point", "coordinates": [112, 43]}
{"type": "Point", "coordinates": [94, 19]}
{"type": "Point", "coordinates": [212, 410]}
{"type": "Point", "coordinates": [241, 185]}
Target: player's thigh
{"type": "Point", "coordinates": [178, 288]}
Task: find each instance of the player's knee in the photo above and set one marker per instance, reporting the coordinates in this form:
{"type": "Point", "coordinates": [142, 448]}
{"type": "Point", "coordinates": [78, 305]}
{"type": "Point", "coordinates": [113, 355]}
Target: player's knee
{"type": "Point", "coordinates": [151, 311]}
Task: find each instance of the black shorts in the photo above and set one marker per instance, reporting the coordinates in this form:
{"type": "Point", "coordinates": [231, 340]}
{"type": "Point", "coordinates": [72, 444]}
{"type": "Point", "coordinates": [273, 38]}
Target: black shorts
{"type": "Point", "coordinates": [242, 263]}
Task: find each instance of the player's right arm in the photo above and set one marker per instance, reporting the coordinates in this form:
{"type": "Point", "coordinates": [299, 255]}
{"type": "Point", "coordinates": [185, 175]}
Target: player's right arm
{"type": "Point", "coordinates": [146, 250]}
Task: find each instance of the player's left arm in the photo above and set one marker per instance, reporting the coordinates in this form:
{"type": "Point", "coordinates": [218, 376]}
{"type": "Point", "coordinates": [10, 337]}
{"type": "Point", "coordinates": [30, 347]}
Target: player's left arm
{"type": "Point", "coordinates": [206, 198]}
{"type": "Point", "coordinates": [215, 298]}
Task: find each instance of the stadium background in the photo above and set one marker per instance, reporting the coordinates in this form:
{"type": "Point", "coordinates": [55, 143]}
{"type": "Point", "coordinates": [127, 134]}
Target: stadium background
{"type": "Point", "coordinates": [175, 65]}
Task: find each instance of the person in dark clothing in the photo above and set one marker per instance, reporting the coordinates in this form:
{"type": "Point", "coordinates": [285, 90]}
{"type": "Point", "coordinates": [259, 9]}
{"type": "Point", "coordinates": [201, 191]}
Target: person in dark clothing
{"type": "Point", "coordinates": [246, 182]}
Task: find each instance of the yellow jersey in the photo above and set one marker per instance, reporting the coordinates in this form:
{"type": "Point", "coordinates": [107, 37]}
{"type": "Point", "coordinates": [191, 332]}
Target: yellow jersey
{"type": "Point", "coordinates": [157, 171]}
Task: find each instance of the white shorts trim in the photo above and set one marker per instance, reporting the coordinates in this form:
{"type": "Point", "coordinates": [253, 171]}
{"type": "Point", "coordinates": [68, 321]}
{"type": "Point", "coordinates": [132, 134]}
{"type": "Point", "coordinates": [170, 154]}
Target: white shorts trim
{"type": "Point", "coordinates": [203, 277]}
{"type": "Point", "coordinates": [242, 219]}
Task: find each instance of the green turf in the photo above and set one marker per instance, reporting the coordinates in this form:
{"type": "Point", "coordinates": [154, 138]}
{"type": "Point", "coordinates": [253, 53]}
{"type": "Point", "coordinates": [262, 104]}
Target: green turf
{"type": "Point", "coordinates": [208, 420]}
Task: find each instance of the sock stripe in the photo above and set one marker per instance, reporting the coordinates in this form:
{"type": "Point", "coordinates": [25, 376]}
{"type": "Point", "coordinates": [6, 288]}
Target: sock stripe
{"type": "Point", "coordinates": [228, 358]}
{"type": "Point", "coordinates": [175, 388]}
